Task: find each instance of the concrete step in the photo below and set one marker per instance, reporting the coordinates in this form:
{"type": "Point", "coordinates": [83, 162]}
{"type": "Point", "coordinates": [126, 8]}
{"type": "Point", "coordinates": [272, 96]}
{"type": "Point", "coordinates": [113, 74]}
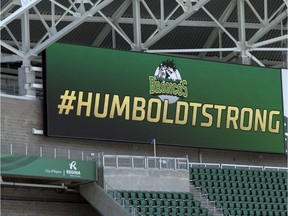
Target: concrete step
{"type": "Point", "coordinates": [205, 201]}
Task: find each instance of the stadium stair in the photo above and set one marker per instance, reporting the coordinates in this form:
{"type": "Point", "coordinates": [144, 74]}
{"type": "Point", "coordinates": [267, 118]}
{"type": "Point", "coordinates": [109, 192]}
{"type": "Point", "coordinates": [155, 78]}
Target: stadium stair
{"type": "Point", "coordinates": [101, 201]}
{"type": "Point", "coordinates": [213, 210]}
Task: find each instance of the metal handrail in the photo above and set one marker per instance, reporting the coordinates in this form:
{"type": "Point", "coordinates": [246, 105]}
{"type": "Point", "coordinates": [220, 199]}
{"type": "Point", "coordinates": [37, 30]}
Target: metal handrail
{"type": "Point", "coordinates": [236, 166]}
{"type": "Point", "coordinates": [144, 162]}
{"type": "Point", "coordinates": [122, 201]}
{"type": "Point", "coordinates": [44, 151]}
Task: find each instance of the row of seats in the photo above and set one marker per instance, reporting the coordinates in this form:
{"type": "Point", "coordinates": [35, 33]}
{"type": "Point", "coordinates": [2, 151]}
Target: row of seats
{"type": "Point", "coordinates": [244, 192]}
{"type": "Point", "coordinates": [251, 206]}
{"type": "Point", "coordinates": [238, 172]}
{"type": "Point", "coordinates": [172, 211]}
{"type": "Point", "coordinates": [245, 212]}
{"type": "Point", "coordinates": [248, 199]}
{"type": "Point", "coordinates": [161, 203]}
{"type": "Point", "coordinates": [155, 195]}
{"type": "Point", "coordinates": [239, 178]}
{"type": "Point", "coordinates": [241, 185]}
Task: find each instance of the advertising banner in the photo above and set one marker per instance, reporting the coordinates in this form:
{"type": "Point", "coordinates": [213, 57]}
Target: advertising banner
{"type": "Point", "coordinates": [114, 95]}
{"type": "Point", "coordinates": [48, 167]}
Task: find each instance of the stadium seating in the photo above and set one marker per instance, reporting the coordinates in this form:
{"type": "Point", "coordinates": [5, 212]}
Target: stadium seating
{"type": "Point", "coordinates": [243, 191]}
{"type": "Point", "coordinates": [151, 203]}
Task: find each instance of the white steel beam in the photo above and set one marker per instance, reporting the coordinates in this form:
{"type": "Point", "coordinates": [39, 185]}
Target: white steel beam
{"type": "Point", "coordinates": [151, 21]}
{"type": "Point", "coordinates": [234, 49]}
{"type": "Point", "coordinates": [223, 18]}
{"type": "Point", "coordinates": [10, 58]}
{"type": "Point", "coordinates": [69, 27]}
{"type": "Point", "coordinates": [267, 28]}
{"type": "Point", "coordinates": [137, 24]}
{"type": "Point", "coordinates": [270, 41]}
{"type": "Point", "coordinates": [26, 5]}
{"type": "Point", "coordinates": [115, 17]}
{"type": "Point", "coordinates": [221, 26]}
{"type": "Point", "coordinates": [162, 32]}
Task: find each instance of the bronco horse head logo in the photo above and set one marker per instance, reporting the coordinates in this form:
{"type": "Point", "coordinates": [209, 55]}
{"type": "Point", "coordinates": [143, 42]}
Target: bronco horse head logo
{"type": "Point", "coordinates": [167, 71]}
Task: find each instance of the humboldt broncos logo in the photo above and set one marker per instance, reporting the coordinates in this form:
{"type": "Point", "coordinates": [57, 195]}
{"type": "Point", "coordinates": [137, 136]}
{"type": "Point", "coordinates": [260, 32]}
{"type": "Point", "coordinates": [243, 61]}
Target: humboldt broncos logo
{"type": "Point", "coordinates": [167, 83]}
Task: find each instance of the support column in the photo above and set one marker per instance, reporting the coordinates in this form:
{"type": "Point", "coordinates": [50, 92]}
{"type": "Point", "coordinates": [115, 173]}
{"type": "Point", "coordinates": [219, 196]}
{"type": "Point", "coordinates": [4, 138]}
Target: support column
{"type": "Point", "coordinates": [137, 24]}
{"type": "Point", "coordinates": [243, 58]}
{"type": "Point", "coordinates": [25, 79]}
{"type": "Point", "coordinates": [25, 75]}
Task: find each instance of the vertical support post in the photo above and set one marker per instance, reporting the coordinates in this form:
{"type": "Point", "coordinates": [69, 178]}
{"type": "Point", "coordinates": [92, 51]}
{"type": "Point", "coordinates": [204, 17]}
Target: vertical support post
{"type": "Point", "coordinates": [55, 153]}
{"type": "Point", "coordinates": [40, 151]}
{"type": "Point", "coordinates": [113, 38]}
{"type": "Point", "coordinates": [11, 149]}
{"type": "Point", "coordinates": [154, 147]}
{"type": "Point", "coordinates": [244, 59]}
{"type": "Point", "coordinates": [25, 75]}
{"type": "Point", "coordinates": [69, 154]}
{"type": "Point", "coordinates": [26, 149]}
{"type": "Point", "coordinates": [137, 24]}
{"type": "Point", "coordinates": [175, 164]}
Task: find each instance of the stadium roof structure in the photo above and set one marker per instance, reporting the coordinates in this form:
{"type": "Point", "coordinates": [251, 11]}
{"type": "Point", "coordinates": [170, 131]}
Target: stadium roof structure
{"type": "Point", "coordinates": [242, 31]}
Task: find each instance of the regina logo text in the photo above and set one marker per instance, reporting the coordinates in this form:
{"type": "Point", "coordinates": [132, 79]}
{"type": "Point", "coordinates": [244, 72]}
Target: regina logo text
{"type": "Point", "coordinates": [73, 169]}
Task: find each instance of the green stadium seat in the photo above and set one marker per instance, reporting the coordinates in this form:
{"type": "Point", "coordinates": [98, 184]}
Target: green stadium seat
{"type": "Point", "coordinates": [188, 211]}
{"type": "Point", "coordinates": [258, 213]}
{"type": "Point", "coordinates": [165, 202]}
{"type": "Point", "coordinates": [154, 195]}
{"type": "Point", "coordinates": [219, 172]}
{"type": "Point", "coordinates": [236, 198]}
{"type": "Point", "coordinates": [189, 196]}
{"type": "Point", "coordinates": [238, 172]}
{"type": "Point", "coordinates": [147, 195]}
{"type": "Point", "coordinates": [161, 195]}
{"type": "Point", "coordinates": [250, 173]}
{"type": "Point", "coordinates": [216, 184]}
{"type": "Point", "coordinates": [202, 170]}
{"type": "Point", "coordinates": [243, 172]}
{"type": "Point", "coordinates": [207, 171]}
{"type": "Point", "coordinates": [244, 212]}
{"type": "Point", "coordinates": [264, 213]}
{"type": "Point", "coordinates": [261, 173]}
{"type": "Point", "coordinates": [168, 195]}
{"type": "Point", "coordinates": [132, 195]}
{"type": "Point", "coordinates": [213, 171]}
{"type": "Point", "coordinates": [197, 184]}
{"type": "Point", "coordinates": [165, 211]}
{"type": "Point", "coordinates": [251, 212]}
{"type": "Point", "coordinates": [140, 195]}
{"type": "Point", "coordinates": [142, 202]}
{"type": "Point", "coordinates": [158, 202]}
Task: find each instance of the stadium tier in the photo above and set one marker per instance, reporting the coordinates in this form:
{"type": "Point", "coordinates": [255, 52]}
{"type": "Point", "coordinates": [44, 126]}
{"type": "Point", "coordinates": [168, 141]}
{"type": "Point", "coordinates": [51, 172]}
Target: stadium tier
{"type": "Point", "coordinates": [153, 203]}
{"type": "Point", "coordinates": [242, 191]}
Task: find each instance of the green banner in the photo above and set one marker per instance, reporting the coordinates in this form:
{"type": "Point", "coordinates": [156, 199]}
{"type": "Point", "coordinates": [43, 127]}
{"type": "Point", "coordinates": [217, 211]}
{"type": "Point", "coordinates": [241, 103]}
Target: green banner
{"type": "Point", "coordinates": [47, 167]}
{"type": "Point", "coordinates": [128, 96]}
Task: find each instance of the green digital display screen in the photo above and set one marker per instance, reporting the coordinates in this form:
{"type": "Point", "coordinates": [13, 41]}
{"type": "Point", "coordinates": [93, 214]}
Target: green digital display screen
{"type": "Point", "coordinates": [114, 95]}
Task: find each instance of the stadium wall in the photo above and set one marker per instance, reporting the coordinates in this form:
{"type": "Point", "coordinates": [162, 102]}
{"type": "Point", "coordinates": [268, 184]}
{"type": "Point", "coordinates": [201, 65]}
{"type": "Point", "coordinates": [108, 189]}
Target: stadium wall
{"type": "Point", "coordinates": [35, 202]}
{"type": "Point", "coordinates": [21, 115]}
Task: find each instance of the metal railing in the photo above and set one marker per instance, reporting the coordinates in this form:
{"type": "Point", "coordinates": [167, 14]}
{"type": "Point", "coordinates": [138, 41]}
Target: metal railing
{"type": "Point", "coordinates": [236, 166]}
{"type": "Point", "coordinates": [121, 200]}
{"type": "Point", "coordinates": [44, 151]}
{"type": "Point", "coordinates": [145, 162]}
